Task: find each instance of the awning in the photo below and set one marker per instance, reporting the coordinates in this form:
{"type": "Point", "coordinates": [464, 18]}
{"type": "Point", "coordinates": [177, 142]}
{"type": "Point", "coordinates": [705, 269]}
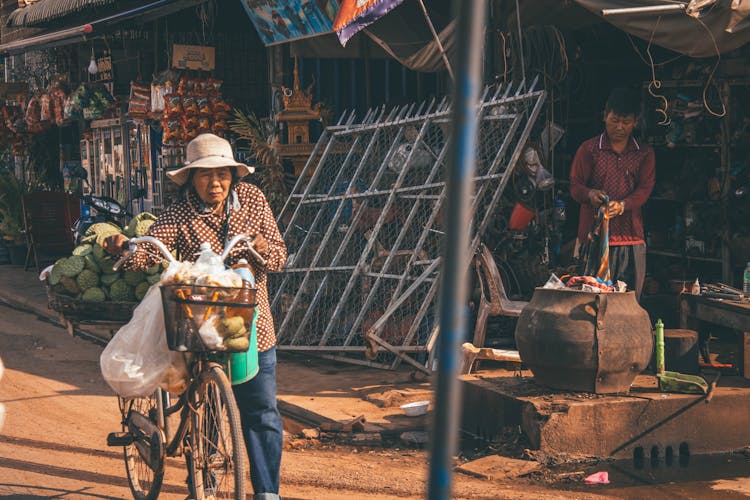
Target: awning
{"type": "Point", "coordinates": [406, 36]}
{"type": "Point", "coordinates": [402, 34]}
{"type": "Point", "coordinates": [144, 13]}
{"type": "Point", "coordinates": [721, 26]}
{"type": "Point", "coordinates": [48, 10]}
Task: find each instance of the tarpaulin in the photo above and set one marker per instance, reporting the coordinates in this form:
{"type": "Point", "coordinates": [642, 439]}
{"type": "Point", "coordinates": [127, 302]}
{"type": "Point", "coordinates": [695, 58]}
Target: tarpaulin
{"type": "Point", "coordinates": [417, 54]}
{"type": "Point", "coordinates": [699, 36]}
{"type": "Point", "coordinates": [354, 15]}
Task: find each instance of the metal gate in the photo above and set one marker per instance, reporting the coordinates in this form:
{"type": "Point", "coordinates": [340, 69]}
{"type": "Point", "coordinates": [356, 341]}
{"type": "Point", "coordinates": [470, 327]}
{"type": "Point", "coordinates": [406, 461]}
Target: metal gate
{"type": "Point", "coordinates": [364, 230]}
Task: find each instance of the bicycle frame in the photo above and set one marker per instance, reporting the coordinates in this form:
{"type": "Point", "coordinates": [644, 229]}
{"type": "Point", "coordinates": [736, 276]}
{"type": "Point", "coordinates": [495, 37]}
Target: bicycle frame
{"type": "Point", "coordinates": [148, 437]}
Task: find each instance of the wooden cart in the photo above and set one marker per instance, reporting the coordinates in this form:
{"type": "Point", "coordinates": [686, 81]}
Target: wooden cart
{"type": "Point", "coordinates": [75, 313]}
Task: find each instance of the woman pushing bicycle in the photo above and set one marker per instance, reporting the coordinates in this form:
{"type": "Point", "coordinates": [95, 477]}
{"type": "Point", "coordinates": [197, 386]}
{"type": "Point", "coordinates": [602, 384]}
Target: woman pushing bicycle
{"type": "Point", "coordinates": [215, 206]}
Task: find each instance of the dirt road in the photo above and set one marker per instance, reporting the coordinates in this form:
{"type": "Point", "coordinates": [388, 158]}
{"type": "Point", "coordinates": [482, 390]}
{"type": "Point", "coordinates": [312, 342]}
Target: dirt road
{"type": "Point", "coordinates": [59, 412]}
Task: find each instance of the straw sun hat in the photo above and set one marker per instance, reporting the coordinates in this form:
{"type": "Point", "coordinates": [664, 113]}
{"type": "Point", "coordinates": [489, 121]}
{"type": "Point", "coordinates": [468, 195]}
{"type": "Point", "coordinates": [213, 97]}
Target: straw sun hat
{"type": "Point", "coordinates": [208, 151]}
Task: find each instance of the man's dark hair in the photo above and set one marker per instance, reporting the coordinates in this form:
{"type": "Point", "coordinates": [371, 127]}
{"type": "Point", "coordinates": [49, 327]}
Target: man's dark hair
{"type": "Point", "coordinates": [623, 102]}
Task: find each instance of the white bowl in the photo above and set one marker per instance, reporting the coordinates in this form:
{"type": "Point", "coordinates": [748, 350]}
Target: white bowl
{"type": "Point", "coordinates": [416, 408]}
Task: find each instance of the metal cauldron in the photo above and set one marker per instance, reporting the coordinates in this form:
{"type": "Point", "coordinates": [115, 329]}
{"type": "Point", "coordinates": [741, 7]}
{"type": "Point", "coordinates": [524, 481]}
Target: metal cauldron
{"type": "Point", "coordinates": [583, 341]}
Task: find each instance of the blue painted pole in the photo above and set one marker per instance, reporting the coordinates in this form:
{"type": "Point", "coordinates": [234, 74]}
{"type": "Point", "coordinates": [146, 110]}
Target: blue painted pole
{"type": "Point", "coordinates": [471, 15]}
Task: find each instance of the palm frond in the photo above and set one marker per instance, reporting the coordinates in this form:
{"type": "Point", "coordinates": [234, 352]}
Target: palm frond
{"type": "Point", "coordinates": [265, 152]}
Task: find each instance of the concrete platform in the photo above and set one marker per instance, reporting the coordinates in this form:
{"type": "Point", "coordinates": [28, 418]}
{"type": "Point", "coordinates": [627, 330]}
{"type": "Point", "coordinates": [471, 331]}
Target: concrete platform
{"type": "Point", "coordinates": [641, 424]}
{"type": "Point", "coordinates": [317, 392]}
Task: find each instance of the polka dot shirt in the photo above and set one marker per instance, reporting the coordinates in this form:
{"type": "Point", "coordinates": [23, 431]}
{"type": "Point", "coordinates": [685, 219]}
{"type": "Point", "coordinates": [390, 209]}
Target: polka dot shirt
{"type": "Point", "coordinates": [183, 227]}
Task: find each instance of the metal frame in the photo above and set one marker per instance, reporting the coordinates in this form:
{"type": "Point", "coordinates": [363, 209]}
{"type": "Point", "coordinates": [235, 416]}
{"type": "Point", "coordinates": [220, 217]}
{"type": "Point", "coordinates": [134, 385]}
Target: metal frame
{"type": "Point", "coordinates": [346, 291]}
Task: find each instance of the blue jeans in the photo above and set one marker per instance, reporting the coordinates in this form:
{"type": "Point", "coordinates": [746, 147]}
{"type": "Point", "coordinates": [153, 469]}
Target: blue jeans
{"type": "Point", "coordinates": [262, 426]}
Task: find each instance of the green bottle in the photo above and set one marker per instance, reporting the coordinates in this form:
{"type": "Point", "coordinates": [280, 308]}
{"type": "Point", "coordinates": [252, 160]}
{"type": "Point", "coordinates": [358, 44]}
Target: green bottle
{"type": "Point", "coordinates": [659, 347]}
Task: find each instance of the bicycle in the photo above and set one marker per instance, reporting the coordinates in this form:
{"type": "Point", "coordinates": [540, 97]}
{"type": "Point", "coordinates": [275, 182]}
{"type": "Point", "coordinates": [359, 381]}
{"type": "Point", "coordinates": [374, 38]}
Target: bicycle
{"type": "Point", "coordinates": [209, 431]}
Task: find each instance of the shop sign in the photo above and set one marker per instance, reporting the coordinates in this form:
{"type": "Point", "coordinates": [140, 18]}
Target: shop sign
{"type": "Point", "coordinates": [105, 123]}
{"type": "Point", "coordinates": [193, 57]}
{"type": "Point", "coordinates": [104, 69]}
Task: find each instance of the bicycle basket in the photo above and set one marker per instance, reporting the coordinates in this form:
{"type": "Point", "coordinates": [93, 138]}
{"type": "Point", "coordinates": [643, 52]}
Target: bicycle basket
{"type": "Point", "coordinates": [208, 318]}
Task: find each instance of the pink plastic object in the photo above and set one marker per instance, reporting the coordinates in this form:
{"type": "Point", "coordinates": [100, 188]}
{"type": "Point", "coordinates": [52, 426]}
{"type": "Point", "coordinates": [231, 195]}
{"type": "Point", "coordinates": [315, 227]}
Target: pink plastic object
{"type": "Point", "coordinates": [597, 478]}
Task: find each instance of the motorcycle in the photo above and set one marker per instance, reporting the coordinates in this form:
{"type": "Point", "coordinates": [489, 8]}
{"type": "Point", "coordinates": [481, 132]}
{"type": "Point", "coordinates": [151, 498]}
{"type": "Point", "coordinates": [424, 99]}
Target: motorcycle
{"type": "Point", "coordinates": [96, 209]}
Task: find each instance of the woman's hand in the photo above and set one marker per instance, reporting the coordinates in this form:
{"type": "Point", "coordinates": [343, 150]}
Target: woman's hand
{"type": "Point", "coordinates": [261, 244]}
{"type": "Point", "coordinates": [113, 244]}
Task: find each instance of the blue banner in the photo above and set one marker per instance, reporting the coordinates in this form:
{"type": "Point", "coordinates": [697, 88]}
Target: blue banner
{"type": "Point", "coordinates": [279, 21]}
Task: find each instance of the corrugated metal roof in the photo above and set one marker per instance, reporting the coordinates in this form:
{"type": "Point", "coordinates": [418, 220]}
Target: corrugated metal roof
{"type": "Point", "coordinates": [47, 10]}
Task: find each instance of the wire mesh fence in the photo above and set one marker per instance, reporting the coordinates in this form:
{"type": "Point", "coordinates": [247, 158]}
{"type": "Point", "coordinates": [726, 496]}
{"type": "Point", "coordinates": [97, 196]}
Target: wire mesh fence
{"type": "Point", "coordinates": [364, 227]}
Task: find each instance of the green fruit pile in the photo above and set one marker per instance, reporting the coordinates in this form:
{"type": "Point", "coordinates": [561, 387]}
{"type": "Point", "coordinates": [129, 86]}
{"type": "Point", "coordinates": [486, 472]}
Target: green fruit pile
{"type": "Point", "coordinates": [87, 274]}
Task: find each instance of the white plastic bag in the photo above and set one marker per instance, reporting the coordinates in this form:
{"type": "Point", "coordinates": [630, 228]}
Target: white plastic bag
{"type": "Point", "coordinates": [555, 283]}
{"type": "Point", "coordinates": [137, 360]}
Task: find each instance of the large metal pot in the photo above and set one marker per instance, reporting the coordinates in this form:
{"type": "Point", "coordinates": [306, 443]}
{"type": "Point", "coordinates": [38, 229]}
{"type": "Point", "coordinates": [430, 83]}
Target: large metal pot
{"type": "Point", "coordinates": [582, 341]}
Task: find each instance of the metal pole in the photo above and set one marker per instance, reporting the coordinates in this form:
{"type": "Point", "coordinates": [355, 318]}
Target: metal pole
{"type": "Point", "coordinates": [649, 9]}
{"type": "Point", "coordinates": [471, 15]}
{"type": "Point", "coordinates": [437, 41]}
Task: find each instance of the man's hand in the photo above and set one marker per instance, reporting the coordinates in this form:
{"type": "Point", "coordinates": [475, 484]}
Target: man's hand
{"type": "Point", "coordinates": [615, 208]}
{"type": "Point", "coordinates": [596, 197]}
{"type": "Point", "coordinates": [113, 244]}
{"type": "Point", "coordinates": [260, 244]}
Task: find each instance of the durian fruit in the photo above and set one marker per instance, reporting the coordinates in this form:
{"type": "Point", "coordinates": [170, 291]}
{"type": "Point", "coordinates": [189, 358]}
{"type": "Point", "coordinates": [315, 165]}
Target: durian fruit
{"type": "Point", "coordinates": [87, 274]}
{"type": "Point", "coordinates": [132, 278]}
{"type": "Point", "coordinates": [87, 279]}
{"type": "Point", "coordinates": [82, 250]}
{"type": "Point", "coordinates": [92, 264]}
{"type": "Point", "coordinates": [94, 294]}
{"type": "Point", "coordinates": [106, 265]}
{"type": "Point", "coordinates": [142, 227]}
{"type": "Point", "coordinates": [102, 228]}
{"type": "Point", "coordinates": [108, 279]}
{"type": "Point", "coordinates": [120, 291]}
{"type": "Point", "coordinates": [55, 275]}
{"type": "Point", "coordinates": [71, 266]}
{"type": "Point", "coordinates": [139, 225]}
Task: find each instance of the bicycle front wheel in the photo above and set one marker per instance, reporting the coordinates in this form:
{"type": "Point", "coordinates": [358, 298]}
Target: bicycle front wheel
{"type": "Point", "coordinates": [217, 465]}
{"type": "Point", "coordinates": [145, 481]}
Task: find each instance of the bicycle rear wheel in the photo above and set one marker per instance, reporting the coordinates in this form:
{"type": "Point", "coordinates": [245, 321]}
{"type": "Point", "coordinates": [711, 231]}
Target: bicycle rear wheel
{"type": "Point", "coordinates": [145, 482]}
{"type": "Point", "coordinates": [217, 467]}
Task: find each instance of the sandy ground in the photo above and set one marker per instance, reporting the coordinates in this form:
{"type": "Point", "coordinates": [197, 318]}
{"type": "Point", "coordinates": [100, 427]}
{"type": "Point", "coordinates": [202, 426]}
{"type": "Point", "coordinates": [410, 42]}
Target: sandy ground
{"type": "Point", "coordinates": [59, 411]}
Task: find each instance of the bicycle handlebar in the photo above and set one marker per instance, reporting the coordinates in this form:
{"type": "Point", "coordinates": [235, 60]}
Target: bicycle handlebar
{"type": "Point", "coordinates": [240, 238]}
{"type": "Point", "coordinates": [132, 247]}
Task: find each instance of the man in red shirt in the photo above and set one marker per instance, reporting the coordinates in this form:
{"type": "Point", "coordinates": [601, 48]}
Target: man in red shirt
{"type": "Point", "coordinates": [615, 165]}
